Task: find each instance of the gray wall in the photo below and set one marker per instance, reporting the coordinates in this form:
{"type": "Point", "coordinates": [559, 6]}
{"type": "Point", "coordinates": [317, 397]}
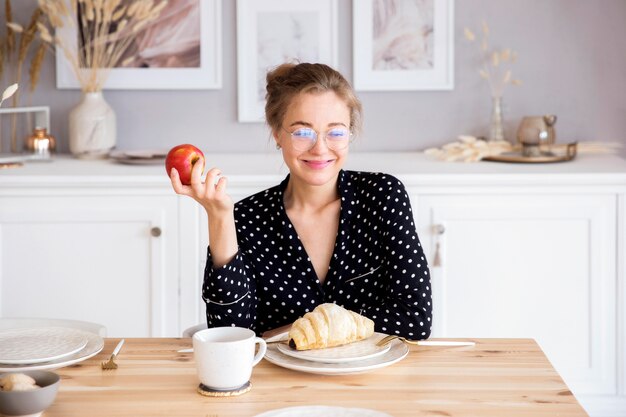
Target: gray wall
{"type": "Point", "coordinates": [572, 60]}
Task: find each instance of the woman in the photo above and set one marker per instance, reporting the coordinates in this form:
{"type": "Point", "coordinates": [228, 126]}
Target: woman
{"type": "Point", "coordinates": [323, 234]}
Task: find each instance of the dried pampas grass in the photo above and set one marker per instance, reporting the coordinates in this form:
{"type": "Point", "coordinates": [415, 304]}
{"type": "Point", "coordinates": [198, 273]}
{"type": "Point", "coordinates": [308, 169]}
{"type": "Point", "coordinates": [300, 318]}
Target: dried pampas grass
{"type": "Point", "coordinates": [10, 40]}
{"type": "Point", "coordinates": [472, 149]}
{"type": "Point", "coordinates": [496, 63]}
{"type": "Point", "coordinates": [106, 29]}
{"type": "Point", "coordinates": [24, 37]}
{"type": "Point", "coordinates": [592, 148]}
{"type": "Point", "coordinates": [15, 51]}
{"type": "Point", "coordinates": [36, 64]}
{"type": "Point", "coordinates": [1, 58]}
{"type": "Point", "coordinates": [469, 149]}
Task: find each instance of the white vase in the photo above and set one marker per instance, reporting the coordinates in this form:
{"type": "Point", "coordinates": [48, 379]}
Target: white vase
{"type": "Point", "coordinates": [496, 128]}
{"type": "Point", "coordinates": [92, 129]}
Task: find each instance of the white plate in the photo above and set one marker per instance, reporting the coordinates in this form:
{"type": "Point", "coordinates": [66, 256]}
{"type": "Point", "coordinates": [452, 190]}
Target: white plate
{"type": "Point", "coordinates": [95, 343]}
{"type": "Point", "coordinates": [145, 157]}
{"type": "Point", "coordinates": [357, 351]}
{"type": "Point", "coordinates": [132, 161]}
{"type": "Point", "coordinates": [30, 322]}
{"type": "Point", "coordinates": [147, 153]}
{"type": "Point", "coordinates": [322, 411]}
{"type": "Point", "coordinates": [40, 344]}
{"type": "Point", "coordinates": [397, 352]}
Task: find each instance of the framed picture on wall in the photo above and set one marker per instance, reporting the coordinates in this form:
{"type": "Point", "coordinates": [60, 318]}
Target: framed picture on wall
{"type": "Point", "coordinates": [271, 32]}
{"type": "Point", "coordinates": [182, 49]}
{"type": "Point", "coordinates": [403, 45]}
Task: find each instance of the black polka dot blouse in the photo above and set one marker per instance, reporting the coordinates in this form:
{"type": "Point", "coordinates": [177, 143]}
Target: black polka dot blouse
{"type": "Point", "coordinates": [377, 269]}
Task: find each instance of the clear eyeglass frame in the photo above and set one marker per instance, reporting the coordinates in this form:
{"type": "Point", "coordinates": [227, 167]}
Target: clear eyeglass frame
{"type": "Point", "coordinates": [305, 142]}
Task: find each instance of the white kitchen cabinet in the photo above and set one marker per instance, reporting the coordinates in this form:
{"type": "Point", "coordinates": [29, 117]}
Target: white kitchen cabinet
{"type": "Point", "coordinates": [109, 259]}
{"type": "Point", "coordinates": [530, 265]}
{"type": "Point", "coordinates": [526, 251]}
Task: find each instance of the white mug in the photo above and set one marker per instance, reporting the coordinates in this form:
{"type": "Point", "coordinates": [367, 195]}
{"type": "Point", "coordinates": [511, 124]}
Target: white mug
{"type": "Point", "coordinates": [225, 356]}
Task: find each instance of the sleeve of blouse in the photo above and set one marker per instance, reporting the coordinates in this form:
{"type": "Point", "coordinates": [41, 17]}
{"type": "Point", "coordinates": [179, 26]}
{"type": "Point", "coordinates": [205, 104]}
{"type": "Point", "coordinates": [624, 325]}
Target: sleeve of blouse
{"type": "Point", "coordinates": [407, 305]}
{"type": "Point", "coordinates": [229, 293]}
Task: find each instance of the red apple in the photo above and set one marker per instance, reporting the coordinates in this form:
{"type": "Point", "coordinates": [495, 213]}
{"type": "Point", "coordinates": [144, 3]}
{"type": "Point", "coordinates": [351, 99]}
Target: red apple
{"type": "Point", "coordinates": [183, 158]}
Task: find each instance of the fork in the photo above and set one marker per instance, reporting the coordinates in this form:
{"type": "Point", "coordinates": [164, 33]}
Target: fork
{"type": "Point", "coordinates": [387, 339]}
{"type": "Point", "coordinates": [110, 364]}
{"type": "Point", "coordinates": [284, 341]}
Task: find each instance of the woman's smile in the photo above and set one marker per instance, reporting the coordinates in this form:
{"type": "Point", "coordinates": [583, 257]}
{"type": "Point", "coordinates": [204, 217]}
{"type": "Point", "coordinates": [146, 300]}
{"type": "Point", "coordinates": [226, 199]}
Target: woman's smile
{"type": "Point", "coordinates": [318, 164]}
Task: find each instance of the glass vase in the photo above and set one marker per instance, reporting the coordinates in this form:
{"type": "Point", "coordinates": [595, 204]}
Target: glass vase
{"type": "Point", "coordinates": [496, 128]}
{"type": "Point", "coordinates": [92, 127]}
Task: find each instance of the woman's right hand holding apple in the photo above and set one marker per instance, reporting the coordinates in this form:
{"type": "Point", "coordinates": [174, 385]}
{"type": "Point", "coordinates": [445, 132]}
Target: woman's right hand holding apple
{"type": "Point", "coordinates": [219, 207]}
{"type": "Point", "coordinates": [210, 194]}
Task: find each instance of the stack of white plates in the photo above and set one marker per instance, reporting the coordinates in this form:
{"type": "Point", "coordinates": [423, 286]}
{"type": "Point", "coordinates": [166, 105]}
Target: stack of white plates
{"type": "Point", "coordinates": [357, 357]}
{"type": "Point", "coordinates": [139, 157]}
{"type": "Point", "coordinates": [28, 345]}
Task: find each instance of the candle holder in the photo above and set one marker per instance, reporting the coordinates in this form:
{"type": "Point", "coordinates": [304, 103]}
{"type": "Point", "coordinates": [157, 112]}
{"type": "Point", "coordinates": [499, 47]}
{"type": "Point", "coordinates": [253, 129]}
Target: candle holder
{"type": "Point", "coordinates": [40, 143]}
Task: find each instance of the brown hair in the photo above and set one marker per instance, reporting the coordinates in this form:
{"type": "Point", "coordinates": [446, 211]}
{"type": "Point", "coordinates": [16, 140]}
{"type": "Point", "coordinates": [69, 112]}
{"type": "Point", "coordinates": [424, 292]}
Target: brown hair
{"type": "Point", "coordinates": [288, 80]}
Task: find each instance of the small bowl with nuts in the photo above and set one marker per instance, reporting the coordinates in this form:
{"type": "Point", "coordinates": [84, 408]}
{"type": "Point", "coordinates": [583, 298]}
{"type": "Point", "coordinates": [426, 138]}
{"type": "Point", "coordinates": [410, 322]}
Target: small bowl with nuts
{"type": "Point", "coordinates": [28, 393]}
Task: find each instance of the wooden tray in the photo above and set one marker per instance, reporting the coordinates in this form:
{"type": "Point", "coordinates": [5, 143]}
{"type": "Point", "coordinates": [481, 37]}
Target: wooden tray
{"type": "Point", "coordinates": [545, 157]}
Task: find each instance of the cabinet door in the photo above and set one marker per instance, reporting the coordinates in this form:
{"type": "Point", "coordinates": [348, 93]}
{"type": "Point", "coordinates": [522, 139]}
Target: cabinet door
{"type": "Point", "coordinates": [538, 266]}
{"type": "Point", "coordinates": [110, 260]}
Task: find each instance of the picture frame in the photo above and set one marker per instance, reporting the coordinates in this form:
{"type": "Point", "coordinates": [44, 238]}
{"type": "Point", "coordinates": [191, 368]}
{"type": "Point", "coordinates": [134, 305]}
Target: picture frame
{"type": "Point", "coordinates": [403, 45]}
{"type": "Point", "coordinates": [271, 32]}
{"type": "Point", "coordinates": [25, 120]}
{"type": "Point", "coordinates": [205, 77]}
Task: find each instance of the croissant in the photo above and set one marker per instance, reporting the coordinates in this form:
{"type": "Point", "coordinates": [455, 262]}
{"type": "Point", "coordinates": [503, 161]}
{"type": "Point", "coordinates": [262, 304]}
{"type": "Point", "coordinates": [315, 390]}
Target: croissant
{"type": "Point", "coordinates": [329, 325]}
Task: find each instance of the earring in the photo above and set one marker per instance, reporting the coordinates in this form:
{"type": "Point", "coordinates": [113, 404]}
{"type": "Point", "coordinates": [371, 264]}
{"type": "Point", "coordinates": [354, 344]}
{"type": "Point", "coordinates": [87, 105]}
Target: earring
{"type": "Point", "coordinates": [277, 146]}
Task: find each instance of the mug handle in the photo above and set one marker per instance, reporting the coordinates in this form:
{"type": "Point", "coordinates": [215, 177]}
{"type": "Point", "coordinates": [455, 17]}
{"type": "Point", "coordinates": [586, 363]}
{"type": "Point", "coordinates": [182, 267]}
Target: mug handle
{"type": "Point", "coordinates": [262, 348]}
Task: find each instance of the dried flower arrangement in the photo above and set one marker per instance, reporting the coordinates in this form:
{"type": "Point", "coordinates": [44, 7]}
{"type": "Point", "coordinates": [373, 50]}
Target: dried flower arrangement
{"type": "Point", "coordinates": [15, 51]}
{"type": "Point", "coordinates": [105, 28]}
{"type": "Point", "coordinates": [472, 149]}
{"type": "Point", "coordinates": [496, 63]}
{"type": "Point", "coordinates": [15, 48]}
{"type": "Point", "coordinates": [8, 92]}
{"type": "Point", "coordinates": [468, 149]}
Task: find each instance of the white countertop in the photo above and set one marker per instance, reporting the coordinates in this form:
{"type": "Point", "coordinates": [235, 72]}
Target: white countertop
{"type": "Point", "coordinates": [413, 167]}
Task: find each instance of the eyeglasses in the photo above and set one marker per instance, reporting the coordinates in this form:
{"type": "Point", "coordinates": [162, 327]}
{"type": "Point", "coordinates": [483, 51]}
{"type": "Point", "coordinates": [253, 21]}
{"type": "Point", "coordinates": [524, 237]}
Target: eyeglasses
{"type": "Point", "coordinates": [304, 138]}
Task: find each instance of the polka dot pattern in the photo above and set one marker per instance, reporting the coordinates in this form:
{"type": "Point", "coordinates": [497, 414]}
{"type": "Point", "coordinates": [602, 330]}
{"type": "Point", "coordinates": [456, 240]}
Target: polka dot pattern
{"type": "Point", "coordinates": [378, 267]}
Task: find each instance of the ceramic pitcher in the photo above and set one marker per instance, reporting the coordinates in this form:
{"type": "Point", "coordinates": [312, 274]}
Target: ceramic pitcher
{"type": "Point", "coordinates": [537, 130]}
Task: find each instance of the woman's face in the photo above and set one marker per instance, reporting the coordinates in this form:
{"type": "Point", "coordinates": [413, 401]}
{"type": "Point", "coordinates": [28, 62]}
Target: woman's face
{"type": "Point", "coordinates": [322, 112]}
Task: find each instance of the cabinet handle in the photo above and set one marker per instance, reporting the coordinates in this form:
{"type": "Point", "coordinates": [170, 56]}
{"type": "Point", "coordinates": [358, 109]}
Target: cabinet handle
{"type": "Point", "coordinates": [437, 257]}
{"type": "Point", "coordinates": [439, 230]}
{"type": "Point", "coordinates": [155, 231]}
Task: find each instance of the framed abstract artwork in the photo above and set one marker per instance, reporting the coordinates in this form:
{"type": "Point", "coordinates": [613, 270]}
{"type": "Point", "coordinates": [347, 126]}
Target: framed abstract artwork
{"type": "Point", "coordinates": [271, 32]}
{"type": "Point", "coordinates": [182, 49]}
{"type": "Point", "coordinates": [403, 45]}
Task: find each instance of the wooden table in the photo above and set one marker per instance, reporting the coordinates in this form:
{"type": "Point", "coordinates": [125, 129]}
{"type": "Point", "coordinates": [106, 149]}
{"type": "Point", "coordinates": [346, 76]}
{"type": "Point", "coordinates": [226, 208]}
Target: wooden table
{"type": "Point", "coordinates": [497, 377]}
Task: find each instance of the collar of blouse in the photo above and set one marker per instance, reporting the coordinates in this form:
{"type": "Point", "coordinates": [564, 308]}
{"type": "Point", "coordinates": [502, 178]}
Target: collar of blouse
{"type": "Point", "coordinates": [347, 193]}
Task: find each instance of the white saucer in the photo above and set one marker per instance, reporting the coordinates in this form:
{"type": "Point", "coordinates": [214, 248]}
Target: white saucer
{"type": "Point", "coordinates": [357, 351]}
{"type": "Point", "coordinates": [322, 411]}
{"type": "Point", "coordinates": [396, 352]}
{"type": "Point", "coordinates": [40, 344]}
